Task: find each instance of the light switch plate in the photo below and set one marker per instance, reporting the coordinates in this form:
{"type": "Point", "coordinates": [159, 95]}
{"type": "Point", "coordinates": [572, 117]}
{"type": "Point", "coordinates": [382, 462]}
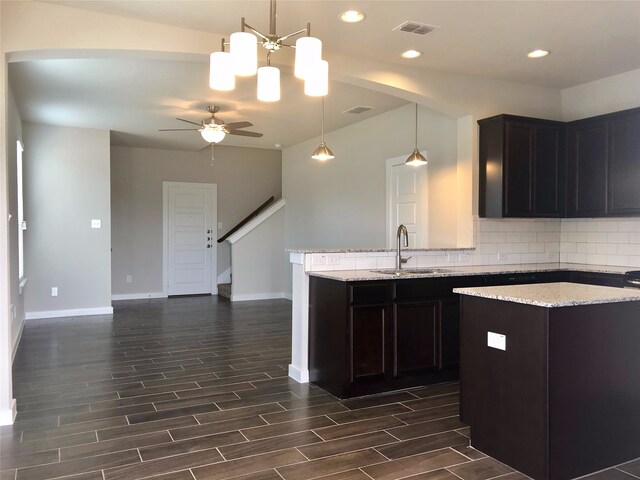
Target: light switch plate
{"type": "Point", "coordinates": [333, 260]}
{"type": "Point", "coordinates": [497, 340]}
{"type": "Point", "coordinates": [219, 225]}
{"type": "Point", "coordinates": [96, 223]}
{"type": "Point", "coordinates": [54, 291]}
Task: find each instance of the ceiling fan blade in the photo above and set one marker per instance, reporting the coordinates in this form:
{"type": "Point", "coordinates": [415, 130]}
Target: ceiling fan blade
{"type": "Point", "coordinates": [189, 121]}
{"type": "Point", "coordinates": [178, 129]}
{"type": "Point", "coordinates": [244, 133]}
{"type": "Point", "coordinates": [235, 125]}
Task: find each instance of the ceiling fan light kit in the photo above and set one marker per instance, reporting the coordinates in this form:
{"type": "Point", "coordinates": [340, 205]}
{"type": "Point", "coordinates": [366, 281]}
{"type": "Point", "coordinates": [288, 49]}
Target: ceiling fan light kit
{"type": "Point", "coordinates": [242, 60]}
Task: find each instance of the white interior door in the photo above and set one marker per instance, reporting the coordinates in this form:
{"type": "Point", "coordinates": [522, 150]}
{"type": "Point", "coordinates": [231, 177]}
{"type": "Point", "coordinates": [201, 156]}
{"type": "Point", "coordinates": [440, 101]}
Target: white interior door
{"type": "Point", "coordinates": [190, 216]}
{"type": "Point", "coordinates": [407, 202]}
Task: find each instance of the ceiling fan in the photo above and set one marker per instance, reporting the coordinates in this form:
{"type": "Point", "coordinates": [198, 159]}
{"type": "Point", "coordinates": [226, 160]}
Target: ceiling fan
{"type": "Point", "coordinates": [213, 130]}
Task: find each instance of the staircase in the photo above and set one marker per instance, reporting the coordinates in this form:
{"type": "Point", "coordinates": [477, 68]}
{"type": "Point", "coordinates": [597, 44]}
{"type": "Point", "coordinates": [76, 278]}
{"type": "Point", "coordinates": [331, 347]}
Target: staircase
{"type": "Point", "coordinates": [224, 290]}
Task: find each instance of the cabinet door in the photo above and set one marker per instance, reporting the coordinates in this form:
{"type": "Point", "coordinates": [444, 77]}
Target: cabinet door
{"type": "Point", "coordinates": [367, 358]}
{"type": "Point", "coordinates": [587, 184]}
{"type": "Point", "coordinates": [449, 333]}
{"type": "Point", "coordinates": [548, 171]}
{"type": "Point", "coordinates": [414, 338]}
{"type": "Point", "coordinates": [624, 165]}
{"type": "Point", "coordinates": [518, 169]}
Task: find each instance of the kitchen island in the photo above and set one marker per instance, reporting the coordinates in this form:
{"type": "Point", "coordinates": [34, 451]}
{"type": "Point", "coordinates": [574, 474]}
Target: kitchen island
{"type": "Point", "coordinates": [549, 376]}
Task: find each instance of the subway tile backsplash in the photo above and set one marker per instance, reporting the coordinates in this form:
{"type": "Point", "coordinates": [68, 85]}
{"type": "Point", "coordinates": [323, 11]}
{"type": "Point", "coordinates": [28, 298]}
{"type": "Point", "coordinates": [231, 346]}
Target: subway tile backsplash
{"type": "Point", "coordinates": [613, 241]}
{"type": "Point", "coordinates": [514, 241]}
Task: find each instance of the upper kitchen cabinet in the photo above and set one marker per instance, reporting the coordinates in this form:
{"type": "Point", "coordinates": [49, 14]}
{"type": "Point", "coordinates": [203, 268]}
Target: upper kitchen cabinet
{"type": "Point", "coordinates": [522, 166]}
{"type": "Point", "coordinates": [604, 165]}
{"type": "Point", "coordinates": [624, 163]}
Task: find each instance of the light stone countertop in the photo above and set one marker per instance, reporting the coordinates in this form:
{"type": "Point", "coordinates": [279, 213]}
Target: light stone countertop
{"type": "Point", "coordinates": [552, 295]}
{"type": "Point", "coordinates": [381, 250]}
{"type": "Point", "coordinates": [366, 275]}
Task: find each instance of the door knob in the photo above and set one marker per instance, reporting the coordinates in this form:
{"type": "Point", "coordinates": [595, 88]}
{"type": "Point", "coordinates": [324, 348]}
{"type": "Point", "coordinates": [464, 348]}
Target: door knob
{"type": "Point", "coordinates": [208, 246]}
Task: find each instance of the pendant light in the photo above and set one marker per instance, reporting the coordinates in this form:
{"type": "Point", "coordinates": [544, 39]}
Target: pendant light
{"type": "Point", "coordinates": [316, 84]}
{"type": "Point", "coordinates": [416, 159]}
{"type": "Point", "coordinates": [323, 152]}
{"type": "Point", "coordinates": [221, 71]}
{"type": "Point", "coordinates": [268, 82]}
{"type": "Point", "coordinates": [242, 59]}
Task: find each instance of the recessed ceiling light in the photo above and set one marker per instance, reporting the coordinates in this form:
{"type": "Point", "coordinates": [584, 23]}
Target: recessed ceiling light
{"type": "Point", "coordinates": [538, 54]}
{"type": "Point", "coordinates": [411, 54]}
{"type": "Point", "coordinates": [352, 16]}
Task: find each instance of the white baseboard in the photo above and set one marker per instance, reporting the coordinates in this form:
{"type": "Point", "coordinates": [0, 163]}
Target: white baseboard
{"type": "Point", "coordinates": [288, 295]}
{"type": "Point", "coordinates": [300, 376]}
{"type": "Point", "coordinates": [257, 296]}
{"type": "Point", "coordinates": [76, 312]}
{"type": "Point", "coordinates": [8, 416]}
{"type": "Point", "coordinates": [137, 296]}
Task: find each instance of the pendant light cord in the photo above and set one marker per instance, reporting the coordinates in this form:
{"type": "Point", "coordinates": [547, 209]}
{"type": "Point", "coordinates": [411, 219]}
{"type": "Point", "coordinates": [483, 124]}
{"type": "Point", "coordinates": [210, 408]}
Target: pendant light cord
{"type": "Point", "coordinates": [416, 126]}
{"type": "Point", "coordinates": [322, 119]}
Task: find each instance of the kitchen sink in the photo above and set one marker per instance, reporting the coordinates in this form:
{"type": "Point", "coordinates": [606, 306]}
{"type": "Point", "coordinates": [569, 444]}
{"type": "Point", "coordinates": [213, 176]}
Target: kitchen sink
{"type": "Point", "coordinates": [411, 271]}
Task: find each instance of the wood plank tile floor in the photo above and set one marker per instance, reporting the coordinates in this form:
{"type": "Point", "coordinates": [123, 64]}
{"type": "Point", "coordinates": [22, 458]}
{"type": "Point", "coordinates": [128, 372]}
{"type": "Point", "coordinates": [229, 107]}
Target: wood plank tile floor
{"type": "Point", "coordinates": [197, 389]}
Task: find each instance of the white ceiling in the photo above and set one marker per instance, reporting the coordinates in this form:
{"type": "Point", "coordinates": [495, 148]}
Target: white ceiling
{"type": "Point", "coordinates": [588, 39]}
{"type": "Point", "coordinates": [134, 98]}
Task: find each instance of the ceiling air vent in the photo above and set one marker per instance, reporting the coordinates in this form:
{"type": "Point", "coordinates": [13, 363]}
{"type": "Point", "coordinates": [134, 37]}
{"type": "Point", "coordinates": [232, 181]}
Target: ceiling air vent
{"type": "Point", "coordinates": [358, 109]}
{"type": "Point", "coordinates": [416, 27]}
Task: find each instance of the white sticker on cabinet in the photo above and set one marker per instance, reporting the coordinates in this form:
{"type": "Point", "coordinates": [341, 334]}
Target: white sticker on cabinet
{"type": "Point", "coordinates": [497, 340]}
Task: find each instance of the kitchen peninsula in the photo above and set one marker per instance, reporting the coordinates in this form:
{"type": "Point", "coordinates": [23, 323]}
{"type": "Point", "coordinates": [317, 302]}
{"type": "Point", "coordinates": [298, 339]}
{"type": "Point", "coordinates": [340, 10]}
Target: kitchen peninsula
{"type": "Point", "coordinates": [549, 381]}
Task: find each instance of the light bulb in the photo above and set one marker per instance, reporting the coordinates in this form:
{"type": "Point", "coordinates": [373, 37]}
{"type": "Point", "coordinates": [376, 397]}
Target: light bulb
{"type": "Point", "coordinates": [268, 84]}
{"type": "Point", "coordinates": [212, 134]}
{"type": "Point", "coordinates": [308, 52]}
{"type": "Point", "coordinates": [323, 153]}
{"type": "Point", "coordinates": [244, 51]}
{"type": "Point", "coordinates": [316, 84]}
{"type": "Point", "coordinates": [221, 71]}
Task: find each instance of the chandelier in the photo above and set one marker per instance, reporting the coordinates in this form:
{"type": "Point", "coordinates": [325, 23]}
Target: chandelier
{"type": "Point", "coordinates": [242, 60]}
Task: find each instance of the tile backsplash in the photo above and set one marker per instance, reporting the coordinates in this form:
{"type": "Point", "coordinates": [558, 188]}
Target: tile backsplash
{"type": "Point", "coordinates": [613, 241]}
{"type": "Point", "coordinates": [513, 241]}
{"type": "Point", "coordinates": [497, 242]}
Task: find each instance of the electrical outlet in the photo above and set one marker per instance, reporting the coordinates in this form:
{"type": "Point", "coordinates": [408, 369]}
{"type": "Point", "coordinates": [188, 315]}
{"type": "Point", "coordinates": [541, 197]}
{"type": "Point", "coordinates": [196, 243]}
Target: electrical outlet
{"type": "Point", "coordinates": [129, 279]}
{"type": "Point", "coordinates": [54, 291]}
{"type": "Point", "coordinates": [333, 260]}
{"type": "Point", "coordinates": [13, 312]}
{"type": "Point", "coordinates": [96, 223]}
{"type": "Point", "coordinates": [319, 260]}
{"type": "Point", "coordinates": [453, 257]}
{"type": "Point", "coordinates": [219, 225]}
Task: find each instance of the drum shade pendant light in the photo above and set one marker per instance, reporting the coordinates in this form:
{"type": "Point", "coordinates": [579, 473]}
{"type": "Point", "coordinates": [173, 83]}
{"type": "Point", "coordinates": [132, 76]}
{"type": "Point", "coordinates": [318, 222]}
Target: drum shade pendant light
{"type": "Point", "coordinates": [416, 158]}
{"type": "Point", "coordinates": [242, 60]}
{"type": "Point", "coordinates": [323, 152]}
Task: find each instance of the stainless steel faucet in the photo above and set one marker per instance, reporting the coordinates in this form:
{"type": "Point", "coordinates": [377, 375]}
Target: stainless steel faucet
{"type": "Point", "coordinates": [402, 230]}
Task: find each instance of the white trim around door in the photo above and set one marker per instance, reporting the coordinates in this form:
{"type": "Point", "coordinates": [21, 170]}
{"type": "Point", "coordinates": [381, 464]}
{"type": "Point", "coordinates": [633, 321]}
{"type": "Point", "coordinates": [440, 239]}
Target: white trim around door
{"type": "Point", "coordinates": [212, 222]}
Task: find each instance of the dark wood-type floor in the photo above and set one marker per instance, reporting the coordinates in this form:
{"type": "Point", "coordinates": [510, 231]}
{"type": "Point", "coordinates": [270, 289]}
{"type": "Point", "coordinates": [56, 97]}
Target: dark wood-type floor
{"type": "Point", "coordinates": [197, 388]}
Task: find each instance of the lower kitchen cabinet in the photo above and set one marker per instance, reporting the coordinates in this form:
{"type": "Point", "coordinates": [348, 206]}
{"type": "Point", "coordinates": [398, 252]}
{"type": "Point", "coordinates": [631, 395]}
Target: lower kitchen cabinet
{"type": "Point", "coordinates": [415, 342]}
{"type": "Point", "coordinates": [369, 337]}
{"type": "Point", "coordinates": [383, 335]}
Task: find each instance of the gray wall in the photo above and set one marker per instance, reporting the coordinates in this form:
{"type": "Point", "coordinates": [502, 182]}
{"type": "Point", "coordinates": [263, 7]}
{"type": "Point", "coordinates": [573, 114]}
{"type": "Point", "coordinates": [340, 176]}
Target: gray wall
{"type": "Point", "coordinates": [342, 202]}
{"type": "Point", "coordinates": [14, 133]}
{"type": "Point", "coordinates": [246, 177]}
{"type": "Point", "coordinates": [66, 172]}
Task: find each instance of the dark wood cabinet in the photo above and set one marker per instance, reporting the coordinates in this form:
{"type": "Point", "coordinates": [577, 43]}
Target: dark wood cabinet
{"type": "Point", "coordinates": [539, 168]}
{"type": "Point", "coordinates": [587, 169]}
{"type": "Point", "coordinates": [367, 349]}
{"type": "Point", "coordinates": [415, 345]}
{"type": "Point", "coordinates": [522, 165]}
{"type": "Point", "coordinates": [624, 164]}
{"type": "Point", "coordinates": [377, 336]}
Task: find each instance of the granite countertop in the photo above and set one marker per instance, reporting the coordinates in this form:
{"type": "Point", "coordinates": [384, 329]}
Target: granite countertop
{"type": "Point", "coordinates": [382, 250]}
{"type": "Point", "coordinates": [552, 295]}
{"type": "Point", "coordinates": [366, 275]}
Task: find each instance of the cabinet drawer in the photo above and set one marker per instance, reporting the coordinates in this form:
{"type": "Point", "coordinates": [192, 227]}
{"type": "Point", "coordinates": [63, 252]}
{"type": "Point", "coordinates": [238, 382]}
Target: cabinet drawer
{"type": "Point", "coordinates": [415, 290]}
{"type": "Point", "coordinates": [377, 293]}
